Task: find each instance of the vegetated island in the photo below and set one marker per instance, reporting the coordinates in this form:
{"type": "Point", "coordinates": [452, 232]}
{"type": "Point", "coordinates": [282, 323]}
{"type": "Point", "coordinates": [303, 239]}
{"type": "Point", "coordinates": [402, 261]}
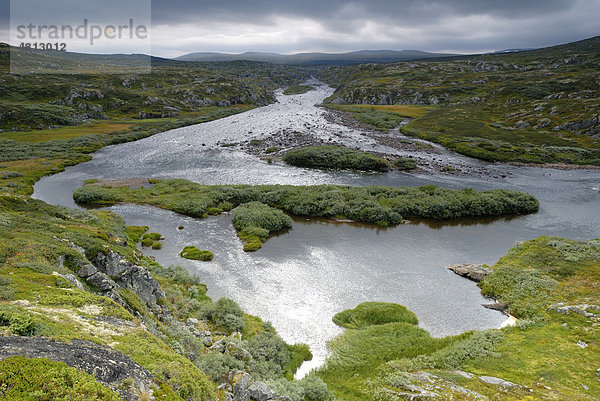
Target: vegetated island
{"type": "Point", "coordinates": [258, 212]}
{"type": "Point", "coordinates": [298, 89]}
{"type": "Point", "coordinates": [548, 284]}
{"type": "Point", "coordinates": [341, 158]}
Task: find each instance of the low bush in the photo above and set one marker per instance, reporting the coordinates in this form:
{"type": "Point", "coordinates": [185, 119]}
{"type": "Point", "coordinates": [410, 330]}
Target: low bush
{"type": "Point", "coordinates": [253, 216]}
{"type": "Point", "coordinates": [217, 366]}
{"type": "Point", "coordinates": [18, 320]}
{"type": "Point", "coordinates": [23, 379]}
{"type": "Point", "coordinates": [374, 313]}
{"type": "Point", "coordinates": [374, 204]}
{"type": "Point", "coordinates": [193, 253]}
{"type": "Point", "coordinates": [152, 236]}
{"type": "Point", "coordinates": [335, 157]}
{"type": "Point", "coordinates": [225, 313]}
{"type": "Point", "coordinates": [405, 163]}
{"type": "Point", "coordinates": [255, 221]}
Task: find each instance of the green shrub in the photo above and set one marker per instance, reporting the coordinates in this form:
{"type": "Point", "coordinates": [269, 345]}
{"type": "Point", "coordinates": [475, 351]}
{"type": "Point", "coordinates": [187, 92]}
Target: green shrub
{"type": "Point", "coordinates": [335, 157]}
{"type": "Point", "coordinates": [252, 244]}
{"type": "Point", "coordinates": [152, 236]}
{"type": "Point", "coordinates": [405, 163]}
{"type": "Point", "coordinates": [193, 253]}
{"type": "Point", "coordinates": [10, 174]}
{"type": "Point", "coordinates": [217, 366]}
{"type": "Point", "coordinates": [18, 320]}
{"type": "Point", "coordinates": [157, 245]}
{"type": "Point", "coordinates": [255, 221]}
{"type": "Point", "coordinates": [148, 242]}
{"type": "Point", "coordinates": [258, 215]}
{"type": "Point", "coordinates": [40, 379]}
{"type": "Point", "coordinates": [270, 355]}
{"type": "Point", "coordinates": [225, 313]}
{"type": "Point", "coordinates": [6, 290]}
{"type": "Point", "coordinates": [135, 232]}
{"type": "Point", "coordinates": [271, 149]}
{"type": "Point", "coordinates": [374, 204]}
{"type": "Point", "coordinates": [374, 313]}
{"type": "Point", "coordinates": [315, 389]}
{"type": "Point", "coordinates": [526, 292]}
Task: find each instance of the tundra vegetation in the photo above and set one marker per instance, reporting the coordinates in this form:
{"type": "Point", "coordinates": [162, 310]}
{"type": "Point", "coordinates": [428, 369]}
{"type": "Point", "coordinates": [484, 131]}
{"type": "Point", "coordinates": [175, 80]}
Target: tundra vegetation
{"type": "Point", "coordinates": [537, 106]}
{"type": "Point", "coordinates": [42, 293]}
{"type": "Point", "coordinates": [193, 253]}
{"type": "Point", "coordinates": [550, 286]}
{"type": "Point", "coordinates": [107, 100]}
{"type": "Point", "coordinates": [258, 209]}
{"type": "Point", "coordinates": [335, 157]}
{"type": "Point", "coordinates": [298, 89]}
{"type": "Point", "coordinates": [533, 107]}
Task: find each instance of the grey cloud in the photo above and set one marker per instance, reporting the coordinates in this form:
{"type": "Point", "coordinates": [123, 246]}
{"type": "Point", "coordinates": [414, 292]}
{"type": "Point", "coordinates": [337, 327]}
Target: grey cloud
{"type": "Point", "coordinates": [432, 25]}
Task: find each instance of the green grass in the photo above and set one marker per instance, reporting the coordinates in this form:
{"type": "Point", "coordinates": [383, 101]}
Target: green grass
{"type": "Point", "coordinates": [298, 89]}
{"type": "Point", "coordinates": [373, 359]}
{"type": "Point", "coordinates": [193, 253]}
{"type": "Point", "coordinates": [518, 107]}
{"type": "Point", "coordinates": [255, 221]}
{"type": "Point", "coordinates": [335, 157]}
{"type": "Point", "coordinates": [69, 132]}
{"type": "Point", "coordinates": [374, 313]}
{"type": "Point", "coordinates": [23, 379]}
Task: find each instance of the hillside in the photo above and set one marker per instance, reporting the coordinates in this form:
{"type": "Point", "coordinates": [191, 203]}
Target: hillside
{"type": "Point", "coordinates": [356, 57]}
{"type": "Point", "coordinates": [538, 106]}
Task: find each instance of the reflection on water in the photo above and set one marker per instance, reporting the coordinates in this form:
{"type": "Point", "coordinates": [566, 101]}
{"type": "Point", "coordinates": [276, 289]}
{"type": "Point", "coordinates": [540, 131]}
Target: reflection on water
{"type": "Point", "coordinates": [301, 278]}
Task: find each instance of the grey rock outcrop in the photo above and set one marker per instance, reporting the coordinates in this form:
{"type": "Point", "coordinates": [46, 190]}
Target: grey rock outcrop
{"type": "Point", "coordinates": [108, 366]}
{"type": "Point", "coordinates": [130, 276]}
{"type": "Point", "coordinates": [259, 391]}
{"type": "Point", "coordinates": [475, 272]}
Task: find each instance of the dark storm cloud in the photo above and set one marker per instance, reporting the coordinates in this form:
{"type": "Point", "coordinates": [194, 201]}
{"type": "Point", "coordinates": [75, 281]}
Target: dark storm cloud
{"type": "Point", "coordinates": [181, 26]}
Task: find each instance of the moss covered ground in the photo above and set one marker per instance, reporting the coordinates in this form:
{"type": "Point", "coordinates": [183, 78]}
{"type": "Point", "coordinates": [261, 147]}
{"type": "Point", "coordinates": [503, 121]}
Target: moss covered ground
{"type": "Point", "coordinates": [552, 353]}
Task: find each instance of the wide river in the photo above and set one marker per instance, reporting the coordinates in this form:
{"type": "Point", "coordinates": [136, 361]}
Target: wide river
{"type": "Point", "coordinates": [300, 279]}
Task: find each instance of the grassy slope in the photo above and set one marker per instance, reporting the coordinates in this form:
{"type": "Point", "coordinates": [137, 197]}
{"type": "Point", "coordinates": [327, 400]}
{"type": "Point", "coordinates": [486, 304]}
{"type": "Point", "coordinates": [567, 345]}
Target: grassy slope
{"type": "Point", "coordinates": [494, 107]}
{"type": "Point", "coordinates": [540, 353]}
{"type": "Point", "coordinates": [36, 301]}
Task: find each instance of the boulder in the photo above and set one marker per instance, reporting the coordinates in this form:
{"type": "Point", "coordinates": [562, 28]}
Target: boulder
{"type": "Point", "coordinates": [108, 366]}
{"type": "Point", "coordinates": [240, 388]}
{"type": "Point", "coordinates": [498, 381]}
{"type": "Point", "coordinates": [259, 391]}
{"type": "Point", "coordinates": [475, 272]}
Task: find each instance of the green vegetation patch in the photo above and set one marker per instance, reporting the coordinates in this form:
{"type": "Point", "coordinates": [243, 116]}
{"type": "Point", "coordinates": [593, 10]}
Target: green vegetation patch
{"type": "Point", "coordinates": [335, 157]}
{"type": "Point", "coordinates": [375, 204]}
{"type": "Point", "coordinates": [550, 353]}
{"type": "Point", "coordinates": [23, 379]}
{"type": "Point", "coordinates": [255, 221]}
{"type": "Point", "coordinates": [374, 313]}
{"type": "Point", "coordinates": [405, 163]}
{"type": "Point", "coordinates": [298, 89]}
{"type": "Point", "coordinates": [193, 253]}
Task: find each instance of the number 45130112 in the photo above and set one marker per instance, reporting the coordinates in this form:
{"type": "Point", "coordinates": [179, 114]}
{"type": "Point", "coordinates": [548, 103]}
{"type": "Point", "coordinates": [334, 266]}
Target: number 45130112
{"type": "Point", "coordinates": [45, 46]}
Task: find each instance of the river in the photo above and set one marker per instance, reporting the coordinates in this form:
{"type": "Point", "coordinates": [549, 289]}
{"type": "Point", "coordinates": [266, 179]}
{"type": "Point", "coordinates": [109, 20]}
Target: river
{"type": "Point", "coordinates": [301, 278]}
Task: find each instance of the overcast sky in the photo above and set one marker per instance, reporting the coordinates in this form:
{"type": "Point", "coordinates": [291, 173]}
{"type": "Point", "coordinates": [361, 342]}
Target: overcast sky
{"type": "Point", "coordinates": [461, 26]}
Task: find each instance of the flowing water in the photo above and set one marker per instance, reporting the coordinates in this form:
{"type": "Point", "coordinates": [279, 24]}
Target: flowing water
{"type": "Point", "coordinates": [301, 278]}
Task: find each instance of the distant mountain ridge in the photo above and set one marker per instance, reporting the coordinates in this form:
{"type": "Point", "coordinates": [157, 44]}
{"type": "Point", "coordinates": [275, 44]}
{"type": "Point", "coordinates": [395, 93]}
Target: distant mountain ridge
{"type": "Point", "coordinates": [355, 57]}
